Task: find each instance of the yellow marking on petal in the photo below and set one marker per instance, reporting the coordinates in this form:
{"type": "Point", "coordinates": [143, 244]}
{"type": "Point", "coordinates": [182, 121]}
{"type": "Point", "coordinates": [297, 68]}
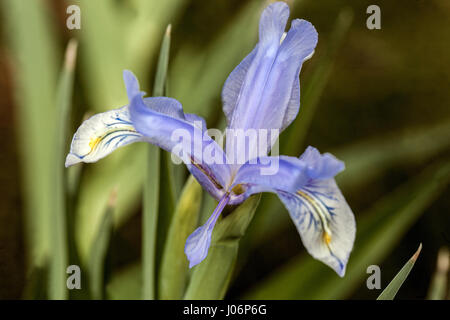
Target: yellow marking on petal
{"type": "Point", "coordinates": [327, 238]}
{"type": "Point", "coordinates": [238, 189]}
{"type": "Point", "coordinates": [94, 142]}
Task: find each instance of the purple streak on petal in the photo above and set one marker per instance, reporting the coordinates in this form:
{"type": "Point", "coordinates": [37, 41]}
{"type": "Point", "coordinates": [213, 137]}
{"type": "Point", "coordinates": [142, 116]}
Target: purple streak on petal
{"type": "Point", "coordinates": [197, 244]}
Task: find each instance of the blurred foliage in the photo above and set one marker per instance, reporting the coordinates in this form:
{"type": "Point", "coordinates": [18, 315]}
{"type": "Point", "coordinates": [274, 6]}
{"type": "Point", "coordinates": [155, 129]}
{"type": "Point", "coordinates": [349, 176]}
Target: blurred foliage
{"type": "Point", "coordinates": [439, 283]}
{"type": "Point", "coordinates": [377, 99]}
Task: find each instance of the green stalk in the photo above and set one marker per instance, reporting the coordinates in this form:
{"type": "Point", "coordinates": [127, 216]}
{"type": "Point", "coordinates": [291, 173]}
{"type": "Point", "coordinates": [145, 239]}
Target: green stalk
{"type": "Point", "coordinates": [174, 265]}
{"type": "Point", "coordinates": [32, 42]}
{"type": "Point", "coordinates": [151, 187]}
{"type": "Point", "coordinates": [59, 259]}
{"type": "Point", "coordinates": [437, 290]}
{"type": "Point", "coordinates": [99, 250]}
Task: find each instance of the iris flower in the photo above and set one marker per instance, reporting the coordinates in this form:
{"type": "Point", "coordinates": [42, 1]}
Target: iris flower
{"type": "Point", "coordinates": [261, 93]}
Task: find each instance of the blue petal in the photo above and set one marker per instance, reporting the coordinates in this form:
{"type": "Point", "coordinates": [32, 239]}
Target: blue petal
{"type": "Point", "coordinates": [272, 23]}
{"type": "Point", "coordinates": [233, 85]}
{"type": "Point", "coordinates": [321, 166]}
{"type": "Point", "coordinates": [272, 173]}
{"type": "Point", "coordinates": [257, 69]}
{"type": "Point", "coordinates": [297, 47]}
{"type": "Point", "coordinates": [164, 105]}
{"type": "Point", "coordinates": [263, 92]}
{"type": "Point", "coordinates": [307, 189]}
{"type": "Point", "coordinates": [164, 124]}
{"type": "Point", "coordinates": [197, 244]}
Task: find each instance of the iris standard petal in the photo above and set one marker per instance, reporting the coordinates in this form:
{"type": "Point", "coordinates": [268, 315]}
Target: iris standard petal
{"type": "Point", "coordinates": [233, 85]}
{"type": "Point", "coordinates": [324, 221]}
{"type": "Point", "coordinates": [263, 91]}
{"type": "Point", "coordinates": [257, 68]}
{"type": "Point", "coordinates": [279, 101]}
{"type": "Point", "coordinates": [100, 135]}
{"type": "Point", "coordinates": [197, 244]}
{"type": "Point", "coordinates": [297, 47]}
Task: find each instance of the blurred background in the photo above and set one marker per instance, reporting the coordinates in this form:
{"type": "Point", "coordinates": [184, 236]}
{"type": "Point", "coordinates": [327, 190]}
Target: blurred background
{"type": "Point", "coordinates": [377, 99]}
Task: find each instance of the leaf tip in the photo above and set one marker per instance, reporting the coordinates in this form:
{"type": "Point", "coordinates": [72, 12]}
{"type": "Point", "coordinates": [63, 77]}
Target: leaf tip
{"type": "Point", "coordinates": [71, 55]}
{"type": "Point", "coordinates": [416, 255]}
{"type": "Point", "coordinates": [169, 29]}
{"type": "Point", "coordinates": [443, 261]}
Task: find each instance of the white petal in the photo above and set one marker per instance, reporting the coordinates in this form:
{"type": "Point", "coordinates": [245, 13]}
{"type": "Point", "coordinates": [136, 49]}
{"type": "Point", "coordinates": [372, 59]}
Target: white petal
{"type": "Point", "coordinates": [325, 222]}
{"type": "Point", "coordinates": [100, 135]}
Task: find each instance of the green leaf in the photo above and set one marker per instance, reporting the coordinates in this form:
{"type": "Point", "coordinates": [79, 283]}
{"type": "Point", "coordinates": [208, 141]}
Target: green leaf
{"type": "Point", "coordinates": [99, 251]}
{"type": "Point", "coordinates": [210, 279]}
{"type": "Point", "coordinates": [115, 35]}
{"type": "Point", "coordinates": [126, 284]}
{"type": "Point", "coordinates": [150, 221]}
{"type": "Point", "coordinates": [163, 64]}
{"type": "Point", "coordinates": [378, 231]}
{"type": "Point", "coordinates": [59, 259]}
{"type": "Point", "coordinates": [151, 192]}
{"type": "Point", "coordinates": [391, 290]}
{"type": "Point", "coordinates": [123, 169]}
{"type": "Point", "coordinates": [174, 266]}
{"type": "Point", "coordinates": [35, 55]}
{"type": "Point", "coordinates": [437, 290]}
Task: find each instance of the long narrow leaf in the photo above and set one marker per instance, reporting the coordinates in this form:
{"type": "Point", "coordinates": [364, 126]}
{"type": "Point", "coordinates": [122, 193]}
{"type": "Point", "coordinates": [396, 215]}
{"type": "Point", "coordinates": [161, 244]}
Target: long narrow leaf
{"type": "Point", "coordinates": [99, 250]}
{"type": "Point", "coordinates": [36, 57]}
{"type": "Point", "coordinates": [391, 290]}
{"type": "Point", "coordinates": [59, 260]}
{"type": "Point", "coordinates": [174, 266]}
{"type": "Point", "coordinates": [151, 192]}
{"type": "Point", "coordinates": [438, 287]}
